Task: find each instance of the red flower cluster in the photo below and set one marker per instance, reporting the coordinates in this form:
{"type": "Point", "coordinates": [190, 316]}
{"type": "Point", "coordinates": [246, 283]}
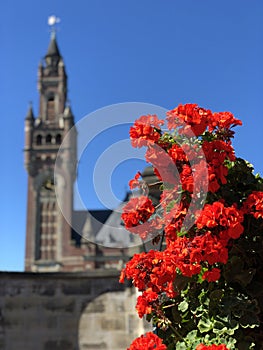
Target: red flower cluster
{"type": "Point", "coordinates": [194, 120]}
{"type": "Point", "coordinates": [191, 117]}
{"type": "Point", "coordinates": [146, 130]}
{"type": "Point", "coordinates": [190, 161]}
{"type": "Point", "coordinates": [226, 220]}
{"type": "Point", "coordinates": [173, 220]}
{"type": "Point", "coordinates": [145, 302]}
{"type": "Point", "coordinates": [211, 347]}
{"type": "Point", "coordinates": [181, 250]}
{"type": "Point", "coordinates": [212, 276]}
{"type": "Point", "coordinates": [223, 120]}
{"type": "Point", "coordinates": [210, 248]}
{"type": "Point", "coordinates": [149, 341]}
{"type": "Point", "coordinates": [216, 225]}
{"type": "Point", "coordinates": [163, 164]}
{"type": "Point", "coordinates": [155, 270]}
{"type": "Point", "coordinates": [189, 254]}
{"type": "Point", "coordinates": [253, 205]}
{"type": "Point", "coordinates": [137, 211]}
{"type": "Point", "coordinates": [216, 152]}
{"type": "Point", "coordinates": [177, 154]}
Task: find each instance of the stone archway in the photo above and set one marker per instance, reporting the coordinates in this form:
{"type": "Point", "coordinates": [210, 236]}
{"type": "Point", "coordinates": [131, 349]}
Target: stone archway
{"type": "Point", "coordinates": [110, 322]}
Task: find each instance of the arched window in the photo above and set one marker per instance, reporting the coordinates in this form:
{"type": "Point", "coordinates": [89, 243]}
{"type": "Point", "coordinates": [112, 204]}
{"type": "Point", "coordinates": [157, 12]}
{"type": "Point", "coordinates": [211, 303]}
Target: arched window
{"type": "Point", "coordinates": [48, 138]}
{"type": "Point", "coordinates": [39, 140]}
{"type": "Point", "coordinates": [58, 139]}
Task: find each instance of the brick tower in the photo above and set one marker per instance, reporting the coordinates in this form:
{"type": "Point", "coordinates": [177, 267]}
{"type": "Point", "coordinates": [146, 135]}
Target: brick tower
{"type": "Point", "coordinates": [48, 234]}
{"type": "Point", "coordinates": [51, 242]}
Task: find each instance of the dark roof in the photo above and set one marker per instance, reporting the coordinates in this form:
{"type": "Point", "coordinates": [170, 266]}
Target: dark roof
{"type": "Point", "coordinates": [96, 219]}
{"type": "Point", "coordinates": [102, 227]}
{"type": "Point", "coordinates": [101, 215]}
{"type": "Point", "coordinates": [30, 114]}
{"type": "Point", "coordinates": [53, 47]}
{"type": "Point", "coordinates": [148, 175]}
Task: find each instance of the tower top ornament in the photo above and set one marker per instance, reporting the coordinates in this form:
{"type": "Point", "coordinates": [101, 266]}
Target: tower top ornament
{"type": "Point", "coordinates": [52, 21]}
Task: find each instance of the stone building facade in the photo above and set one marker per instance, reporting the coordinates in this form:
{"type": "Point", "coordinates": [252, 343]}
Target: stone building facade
{"type": "Point", "coordinates": [67, 311]}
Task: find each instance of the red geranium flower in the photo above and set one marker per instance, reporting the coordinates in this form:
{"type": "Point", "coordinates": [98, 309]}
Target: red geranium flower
{"type": "Point", "coordinates": [138, 210]}
{"type": "Point", "coordinates": [191, 118]}
{"type": "Point", "coordinates": [145, 131]}
{"type": "Point", "coordinates": [226, 219]}
{"type": "Point", "coordinates": [149, 341]}
{"type": "Point", "coordinates": [253, 205]}
{"type": "Point", "coordinates": [212, 276]}
{"type": "Point", "coordinates": [145, 302]}
{"type": "Point", "coordinates": [155, 270]}
{"type": "Point", "coordinates": [223, 120]}
{"type": "Point", "coordinates": [163, 164]}
{"type": "Point", "coordinates": [216, 152]}
{"type": "Point", "coordinates": [177, 154]}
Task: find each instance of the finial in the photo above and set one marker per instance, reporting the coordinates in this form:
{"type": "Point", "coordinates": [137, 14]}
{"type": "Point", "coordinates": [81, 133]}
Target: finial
{"type": "Point", "coordinates": [53, 47]}
{"type": "Point", "coordinates": [52, 21]}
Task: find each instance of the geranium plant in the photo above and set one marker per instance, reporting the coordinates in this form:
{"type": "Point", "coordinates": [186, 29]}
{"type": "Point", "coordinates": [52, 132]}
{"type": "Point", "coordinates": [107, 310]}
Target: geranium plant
{"type": "Point", "coordinates": [202, 288]}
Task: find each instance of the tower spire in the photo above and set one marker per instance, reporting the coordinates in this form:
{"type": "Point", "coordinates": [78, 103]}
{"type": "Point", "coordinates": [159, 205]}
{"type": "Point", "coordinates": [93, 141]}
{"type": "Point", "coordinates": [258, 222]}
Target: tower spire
{"type": "Point", "coordinates": [53, 56]}
{"type": "Point", "coordinates": [53, 46]}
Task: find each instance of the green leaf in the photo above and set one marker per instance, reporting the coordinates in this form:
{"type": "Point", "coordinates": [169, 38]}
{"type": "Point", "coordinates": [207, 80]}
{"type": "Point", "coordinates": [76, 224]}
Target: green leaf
{"type": "Point", "coordinates": [191, 336]}
{"type": "Point", "coordinates": [190, 341]}
{"type": "Point", "coordinates": [181, 346]}
{"type": "Point", "coordinates": [182, 233]}
{"type": "Point", "coordinates": [226, 324]}
{"type": "Point", "coordinates": [219, 327]}
{"type": "Point", "coordinates": [205, 325]}
{"type": "Point", "coordinates": [183, 306]}
{"type": "Point", "coordinates": [231, 343]}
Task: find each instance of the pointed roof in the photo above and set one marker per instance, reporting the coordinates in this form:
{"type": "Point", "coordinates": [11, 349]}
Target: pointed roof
{"type": "Point", "coordinates": [53, 47]}
{"type": "Point", "coordinates": [30, 114]}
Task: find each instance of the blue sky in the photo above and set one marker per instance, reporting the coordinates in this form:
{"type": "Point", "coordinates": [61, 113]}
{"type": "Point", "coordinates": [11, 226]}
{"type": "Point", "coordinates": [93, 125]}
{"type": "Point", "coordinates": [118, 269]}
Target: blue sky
{"type": "Point", "coordinates": [157, 52]}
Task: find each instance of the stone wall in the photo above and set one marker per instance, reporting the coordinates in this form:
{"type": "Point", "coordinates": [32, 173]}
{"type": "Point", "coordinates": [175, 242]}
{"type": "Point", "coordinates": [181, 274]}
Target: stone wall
{"type": "Point", "coordinates": [67, 311]}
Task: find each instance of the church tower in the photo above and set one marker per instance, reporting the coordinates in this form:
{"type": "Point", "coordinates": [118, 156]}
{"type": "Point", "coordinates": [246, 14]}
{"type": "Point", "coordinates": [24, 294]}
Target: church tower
{"type": "Point", "coordinates": [48, 233]}
{"type": "Point", "coordinates": [97, 240]}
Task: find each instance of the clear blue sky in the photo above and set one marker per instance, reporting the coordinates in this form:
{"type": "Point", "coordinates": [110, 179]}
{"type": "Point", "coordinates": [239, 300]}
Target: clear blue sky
{"type": "Point", "coordinates": [158, 52]}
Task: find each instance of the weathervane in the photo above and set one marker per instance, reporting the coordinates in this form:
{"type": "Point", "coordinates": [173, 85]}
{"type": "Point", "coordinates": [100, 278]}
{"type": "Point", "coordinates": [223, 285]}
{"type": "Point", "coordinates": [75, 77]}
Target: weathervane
{"type": "Point", "coordinates": [52, 21]}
